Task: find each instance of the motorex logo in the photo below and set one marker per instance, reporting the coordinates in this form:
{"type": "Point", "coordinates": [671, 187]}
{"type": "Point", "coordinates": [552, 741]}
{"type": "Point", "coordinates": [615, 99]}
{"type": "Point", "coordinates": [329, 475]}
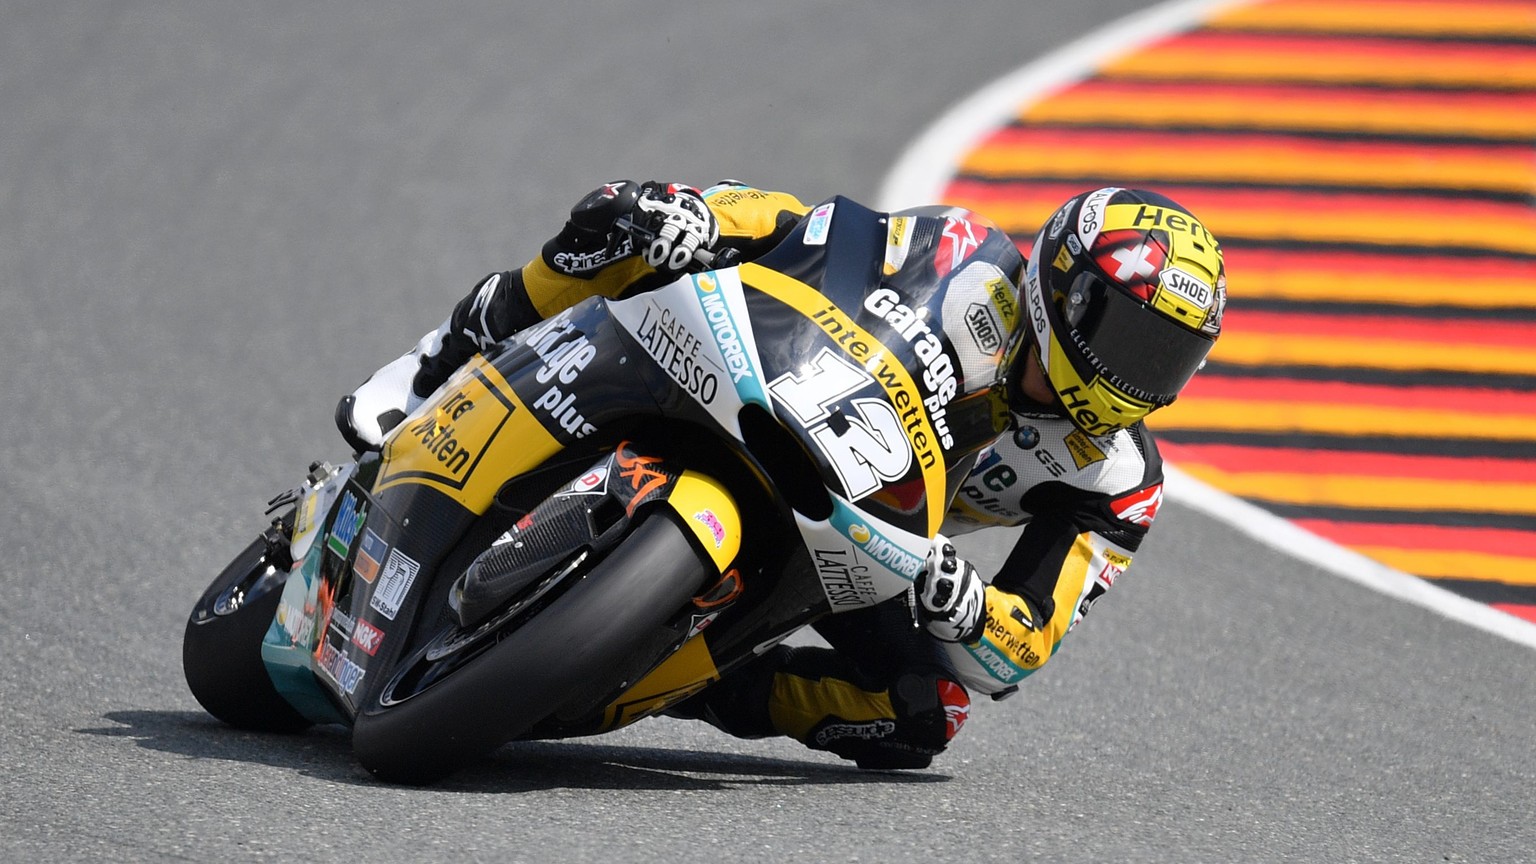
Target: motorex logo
{"type": "Point", "coordinates": [885, 551]}
{"type": "Point", "coordinates": [727, 335]}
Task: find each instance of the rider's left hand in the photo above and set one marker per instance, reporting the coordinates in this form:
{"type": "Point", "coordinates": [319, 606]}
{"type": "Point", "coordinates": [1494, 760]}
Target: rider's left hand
{"type": "Point", "coordinates": [951, 598]}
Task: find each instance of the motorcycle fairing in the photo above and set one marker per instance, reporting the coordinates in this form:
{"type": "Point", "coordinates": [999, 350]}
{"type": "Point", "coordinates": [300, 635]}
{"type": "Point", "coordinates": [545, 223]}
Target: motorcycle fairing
{"type": "Point", "coordinates": [309, 635]}
{"type": "Point", "coordinates": [475, 419]}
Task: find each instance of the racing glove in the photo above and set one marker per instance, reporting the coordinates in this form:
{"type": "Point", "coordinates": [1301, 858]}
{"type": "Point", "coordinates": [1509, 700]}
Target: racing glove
{"type": "Point", "coordinates": [951, 598]}
{"type": "Point", "coordinates": [673, 224]}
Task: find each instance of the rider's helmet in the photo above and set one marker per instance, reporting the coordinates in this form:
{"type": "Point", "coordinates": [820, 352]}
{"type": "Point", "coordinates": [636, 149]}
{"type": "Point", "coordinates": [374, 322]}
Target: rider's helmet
{"type": "Point", "coordinates": [1123, 294]}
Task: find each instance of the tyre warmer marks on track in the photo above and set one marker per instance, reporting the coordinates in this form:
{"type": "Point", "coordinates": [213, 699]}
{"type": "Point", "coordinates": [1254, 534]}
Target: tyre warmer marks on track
{"type": "Point", "coordinates": [1369, 165]}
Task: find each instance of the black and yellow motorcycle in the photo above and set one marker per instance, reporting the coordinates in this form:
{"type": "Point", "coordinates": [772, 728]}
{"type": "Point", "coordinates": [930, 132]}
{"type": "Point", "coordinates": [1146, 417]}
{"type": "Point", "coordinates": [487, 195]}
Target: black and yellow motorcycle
{"type": "Point", "coordinates": [602, 515]}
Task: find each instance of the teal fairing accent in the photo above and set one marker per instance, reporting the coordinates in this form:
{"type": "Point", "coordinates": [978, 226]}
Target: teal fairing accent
{"type": "Point", "coordinates": [289, 646]}
{"type": "Point", "coordinates": [736, 346]}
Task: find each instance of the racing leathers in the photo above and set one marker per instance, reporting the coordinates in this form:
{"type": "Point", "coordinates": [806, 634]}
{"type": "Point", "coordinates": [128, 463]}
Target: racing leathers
{"type": "Point", "coordinates": [887, 694]}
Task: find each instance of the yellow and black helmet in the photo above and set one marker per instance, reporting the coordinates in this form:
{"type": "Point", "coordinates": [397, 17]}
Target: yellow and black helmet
{"type": "Point", "coordinates": [1124, 293]}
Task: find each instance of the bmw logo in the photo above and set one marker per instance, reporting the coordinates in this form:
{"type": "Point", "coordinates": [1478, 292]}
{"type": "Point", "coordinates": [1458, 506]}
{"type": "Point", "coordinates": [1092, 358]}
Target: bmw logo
{"type": "Point", "coordinates": [1026, 437]}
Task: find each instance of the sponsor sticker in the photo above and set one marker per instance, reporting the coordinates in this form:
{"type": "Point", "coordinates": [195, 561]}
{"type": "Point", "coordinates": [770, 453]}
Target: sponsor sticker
{"type": "Point", "coordinates": [844, 577]}
{"type": "Point", "coordinates": [349, 518]}
{"type": "Point", "coordinates": [898, 242]}
{"type": "Point", "coordinates": [938, 370]}
{"type": "Point", "coordinates": [819, 225]}
{"type": "Point", "coordinates": [728, 337]}
{"type": "Point", "coordinates": [394, 583]}
{"type": "Point", "coordinates": [342, 623]}
{"type": "Point", "coordinates": [369, 554]}
{"type": "Point", "coordinates": [986, 331]}
{"type": "Point", "coordinates": [885, 552]}
{"type": "Point", "coordinates": [1187, 286]}
{"type": "Point", "coordinates": [367, 637]}
{"type": "Point", "coordinates": [565, 353]}
{"type": "Point", "coordinates": [1084, 451]}
{"type": "Point", "coordinates": [1090, 220]}
{"type": "Point", "coordinates": [675, 348]}
{"type": "Point", "coordinates": [594, 482]}
{"type": "Point", "coordinates": [336, 664]}
{"type": "Point", "coordinates": [709, 520]}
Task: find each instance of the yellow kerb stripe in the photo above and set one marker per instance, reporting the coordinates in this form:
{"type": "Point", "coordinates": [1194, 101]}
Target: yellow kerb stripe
{"type": "Point", "coordinates": [1384, 493]}
{"type": "Point", "coordinates": [1453, 17]}
{"type": "Point", "coordinates": [1510, 569]}
{"type": "Point", "coordinates": [1268, 162]}
{"type": "Point", "coordinates": [1263, 349]}
{"type": "Point", "coordinates": [1427, 114]}
{"type": "Point", "coordinates": [1241, 415]}
{"type": "Point", "coordinates": [1380, 288]}
{"type": "Point", "coordinates": [1239, 63]}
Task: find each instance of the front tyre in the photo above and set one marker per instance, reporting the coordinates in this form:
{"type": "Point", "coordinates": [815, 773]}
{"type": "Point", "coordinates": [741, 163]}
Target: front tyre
{"type": "Point", "coordinates": [221, 651]}
{"type": "Point", "coordinates": [567, 651]}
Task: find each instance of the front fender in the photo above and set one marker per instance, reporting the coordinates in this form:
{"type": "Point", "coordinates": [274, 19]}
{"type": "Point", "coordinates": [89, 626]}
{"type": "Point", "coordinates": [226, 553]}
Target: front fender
{"type": "Point", "coordinates": [711, 514]}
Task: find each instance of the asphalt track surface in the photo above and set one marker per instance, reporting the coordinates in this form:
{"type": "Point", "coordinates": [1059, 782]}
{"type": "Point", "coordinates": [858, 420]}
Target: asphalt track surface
{"type": "Point", "coordinates": [218, 216]}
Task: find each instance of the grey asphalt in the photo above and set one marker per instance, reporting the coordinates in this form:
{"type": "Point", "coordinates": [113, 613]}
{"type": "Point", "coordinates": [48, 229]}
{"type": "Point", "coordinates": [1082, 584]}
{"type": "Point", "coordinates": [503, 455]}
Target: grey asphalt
{"type": "Point", "coordinates": [218, 216]}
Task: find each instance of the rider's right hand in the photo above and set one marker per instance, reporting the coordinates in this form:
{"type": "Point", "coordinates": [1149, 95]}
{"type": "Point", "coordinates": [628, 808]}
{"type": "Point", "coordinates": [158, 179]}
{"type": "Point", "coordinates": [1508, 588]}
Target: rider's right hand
{"type": "Point", "coordinates": [673, 224]}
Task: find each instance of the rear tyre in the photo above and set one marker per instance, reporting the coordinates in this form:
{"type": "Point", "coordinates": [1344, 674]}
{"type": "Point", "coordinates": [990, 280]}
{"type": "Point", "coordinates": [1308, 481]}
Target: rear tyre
{"type": "Point", "coordinates": [578, 647]}
{"type": "Point", "coordinates": [221, 651]}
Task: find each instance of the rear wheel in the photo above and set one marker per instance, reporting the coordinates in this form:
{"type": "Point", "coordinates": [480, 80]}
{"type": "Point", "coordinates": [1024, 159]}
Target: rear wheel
{"type": "Point", "coordinates": [443, 709]}
{"type": "Point", "coordinates": [221, 651]}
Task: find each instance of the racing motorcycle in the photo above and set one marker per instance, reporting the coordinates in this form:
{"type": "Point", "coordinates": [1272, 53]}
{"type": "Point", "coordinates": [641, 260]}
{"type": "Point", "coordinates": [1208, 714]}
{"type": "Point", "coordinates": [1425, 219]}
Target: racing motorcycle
{"type": "Point", "coordinates": [598, 517]}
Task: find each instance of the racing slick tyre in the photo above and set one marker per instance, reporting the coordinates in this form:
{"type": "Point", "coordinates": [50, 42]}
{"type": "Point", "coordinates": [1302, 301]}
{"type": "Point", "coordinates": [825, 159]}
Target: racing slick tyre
{"type": "Point", "coordinates": [566, 651]}
{"type": "Point", "coordinates": [221, 651]}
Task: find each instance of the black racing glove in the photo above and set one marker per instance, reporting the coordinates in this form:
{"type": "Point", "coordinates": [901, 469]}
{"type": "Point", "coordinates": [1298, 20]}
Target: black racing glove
{"type": "Point", "coordinates": [596, 234]}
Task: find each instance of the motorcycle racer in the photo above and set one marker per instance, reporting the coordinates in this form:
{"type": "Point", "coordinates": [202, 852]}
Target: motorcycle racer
{"type": "Point", "coordinates": [1122, 298]}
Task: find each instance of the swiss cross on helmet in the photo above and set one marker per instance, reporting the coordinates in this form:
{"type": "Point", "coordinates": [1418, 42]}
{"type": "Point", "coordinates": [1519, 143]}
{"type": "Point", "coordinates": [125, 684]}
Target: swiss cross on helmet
{"type": "Point", "coordinates": [1124, 292]}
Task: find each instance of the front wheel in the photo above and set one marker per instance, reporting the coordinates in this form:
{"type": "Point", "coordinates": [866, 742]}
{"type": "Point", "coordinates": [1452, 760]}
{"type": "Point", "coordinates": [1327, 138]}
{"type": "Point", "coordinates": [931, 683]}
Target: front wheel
{"type": "Point", "coordinates": [569, 650]}
{"type": "Point", "coordinates": [221, 651]}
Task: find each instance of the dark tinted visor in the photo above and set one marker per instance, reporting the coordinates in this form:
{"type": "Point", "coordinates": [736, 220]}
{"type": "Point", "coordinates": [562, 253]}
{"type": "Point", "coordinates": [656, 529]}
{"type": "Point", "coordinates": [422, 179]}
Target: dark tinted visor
{"type": "Point", "coordinates": [1138, 347]}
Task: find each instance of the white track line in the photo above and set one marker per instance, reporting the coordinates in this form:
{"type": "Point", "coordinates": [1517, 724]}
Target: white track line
{"type": "Point", "coordinates": [921, 174]}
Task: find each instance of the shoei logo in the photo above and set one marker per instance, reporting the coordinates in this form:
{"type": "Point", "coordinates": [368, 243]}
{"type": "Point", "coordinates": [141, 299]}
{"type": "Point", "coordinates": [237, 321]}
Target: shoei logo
{"type": "Point", "coordinates": [1188, 287]}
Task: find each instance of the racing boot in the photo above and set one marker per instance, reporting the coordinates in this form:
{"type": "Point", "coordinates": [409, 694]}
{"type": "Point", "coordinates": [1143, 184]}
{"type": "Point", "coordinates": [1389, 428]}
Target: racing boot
{"type": "Point", "coordinates": [380, 403]}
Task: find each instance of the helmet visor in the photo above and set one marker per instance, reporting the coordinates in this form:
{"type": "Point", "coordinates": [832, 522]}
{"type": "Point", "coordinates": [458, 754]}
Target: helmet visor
{"type": "Point", "coordinates": [1138, 348]}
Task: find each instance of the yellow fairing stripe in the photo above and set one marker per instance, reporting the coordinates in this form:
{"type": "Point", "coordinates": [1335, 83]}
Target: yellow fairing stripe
{"type": "Point", "coordinates": [797, 704]}
{"type": "Point", "coordinates": [469, 441]}
{"type": "Point", "coordinates": [710, 513]}
{"type": "Point", "coordinates": [894, 379]}
{"type": "Point", "coordinates": [683, 674]}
